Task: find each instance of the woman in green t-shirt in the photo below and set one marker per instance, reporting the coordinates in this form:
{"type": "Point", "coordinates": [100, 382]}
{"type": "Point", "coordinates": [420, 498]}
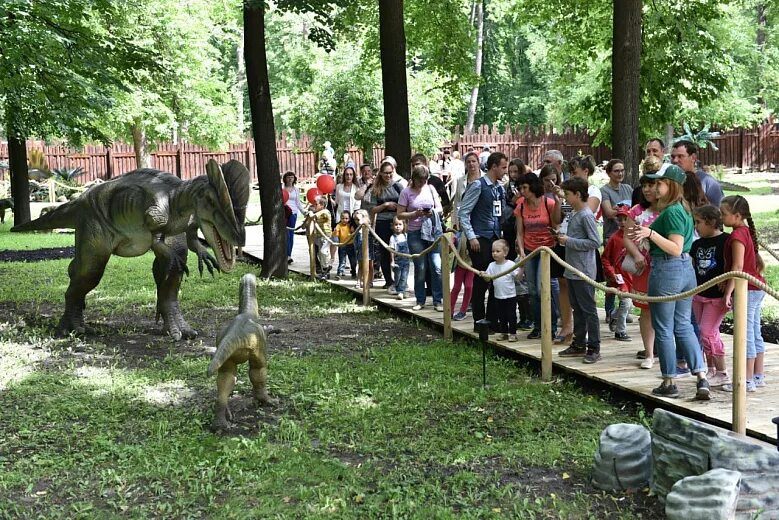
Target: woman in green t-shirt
{"type": "Point", "coordinates": [670, 237]}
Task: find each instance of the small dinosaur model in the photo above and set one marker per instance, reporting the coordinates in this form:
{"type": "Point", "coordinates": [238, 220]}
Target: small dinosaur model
{"type": "Point", "coordinates": [149, 209]}
{"type": "Point", "coordinates": [4, 205]}
{"type": "Point", "coordinates": [241, 340]}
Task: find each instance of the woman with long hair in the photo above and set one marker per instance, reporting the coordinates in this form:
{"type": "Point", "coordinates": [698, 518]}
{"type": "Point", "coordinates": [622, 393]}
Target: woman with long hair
{"type": "Point", "coordinates": [420, 205]}
{"type": "Point", "coordinates": [670, 238]}
{"type": "Point", "coordinates": [381, 201]}
{"type": "Point", "coordinates": [294, 207]}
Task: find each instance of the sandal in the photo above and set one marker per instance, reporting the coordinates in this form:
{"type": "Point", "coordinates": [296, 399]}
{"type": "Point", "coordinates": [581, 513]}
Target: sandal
{"type": "Point", "coordinates": [563, 339]}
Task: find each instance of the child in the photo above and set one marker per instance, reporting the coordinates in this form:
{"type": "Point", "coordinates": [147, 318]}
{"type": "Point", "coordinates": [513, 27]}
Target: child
{"type": "Point", "coordinates": [708, 259]}
{"type": "Point", "coordinates": [505, 295]}
{"type": "Point", "coordinates": [322, 217]}
{"type": "Point", "coordinates": [581, 244]}
{"type": "Point", "coordinates": [462, 278]}
{"type": "Point", "coordinates": [399, 243]}
{"type": "Point", "coordinates": [741, 255]}
{"type": "Point", "coordinates": [361, 217]}
{"type": "Point", "coordinates": [341, 235]}
{"type": "Point", "coordinates": [523, 301]}
{"type": "Point", "coordinates": [612, 257]}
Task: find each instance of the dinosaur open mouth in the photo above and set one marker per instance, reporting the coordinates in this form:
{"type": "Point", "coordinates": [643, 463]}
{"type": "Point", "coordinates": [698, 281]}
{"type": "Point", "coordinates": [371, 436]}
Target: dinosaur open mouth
{"type": "Point", "coordinates": [223, 250]}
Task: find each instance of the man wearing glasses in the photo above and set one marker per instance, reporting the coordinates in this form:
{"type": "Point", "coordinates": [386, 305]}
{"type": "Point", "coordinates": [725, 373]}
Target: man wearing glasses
{"type": "Point", "coordinates": [555, 158]}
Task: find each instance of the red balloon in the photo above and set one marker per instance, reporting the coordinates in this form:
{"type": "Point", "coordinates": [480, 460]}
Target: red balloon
{"type": "Point", "coordinates": [284, 196]}
{"type": "Point", "coordinates": [312, 194]}
{"type": "Point", "coordinates": [325, 184]}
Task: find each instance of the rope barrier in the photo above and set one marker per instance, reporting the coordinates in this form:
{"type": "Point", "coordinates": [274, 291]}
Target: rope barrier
{"type": "Point", "coordinates": [405, 255]}
{"type": "Point", "coordinates": [768, 249]}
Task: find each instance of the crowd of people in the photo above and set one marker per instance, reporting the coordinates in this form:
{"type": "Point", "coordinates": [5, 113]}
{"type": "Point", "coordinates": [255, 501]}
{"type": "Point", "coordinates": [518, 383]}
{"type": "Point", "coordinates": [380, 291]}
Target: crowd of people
{"type": "Point", "coordinates": [661, 238]}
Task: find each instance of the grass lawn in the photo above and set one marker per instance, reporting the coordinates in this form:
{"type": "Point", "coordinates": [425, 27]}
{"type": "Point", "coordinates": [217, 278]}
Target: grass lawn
{"type": "Point", "coordinates": [377, 417]}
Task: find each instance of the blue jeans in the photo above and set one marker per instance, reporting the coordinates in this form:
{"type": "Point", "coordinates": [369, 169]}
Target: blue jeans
{"type": "Point", "coordinates": [674, 335]}
{"type": "Point", "coordinates": [755, 344]}
{"type": "Point", "coordinates": [345, 252]}
{"type": "Point", "coordinates": [293, 218]}
{"type": "Point", "coordinates": [400, 274]}
{"type": "Point", "coordinates": [533, 277]}
{"type": "Point", "coordinates": [432, 260]}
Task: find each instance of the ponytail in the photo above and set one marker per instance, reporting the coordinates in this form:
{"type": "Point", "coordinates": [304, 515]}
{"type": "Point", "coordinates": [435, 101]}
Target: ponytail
{"type": "Point", "coordinates": [738, 204]}
{"type": "Point", "coordinates": [752, 231]}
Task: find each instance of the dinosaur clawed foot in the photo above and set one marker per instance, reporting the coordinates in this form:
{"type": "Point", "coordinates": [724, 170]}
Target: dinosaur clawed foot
{"type": "Point", "coordinates": [69, 324]}
{"type": "Point", "coordinates": [175, 325]}
{"type": "Point", "coordinates": [222, 418]}
{"type": "Point", "coordinates": [263, 399]}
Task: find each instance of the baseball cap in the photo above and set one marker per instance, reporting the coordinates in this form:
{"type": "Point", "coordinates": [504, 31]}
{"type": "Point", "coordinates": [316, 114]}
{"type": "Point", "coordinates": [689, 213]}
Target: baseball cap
{"type": "Point", "coordinates": [671, 172]}
{"type": "Point", "coordinates": [623, 210]}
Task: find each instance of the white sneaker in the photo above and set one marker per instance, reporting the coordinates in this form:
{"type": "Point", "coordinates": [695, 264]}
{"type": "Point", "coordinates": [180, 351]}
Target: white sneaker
{"type": "Point", "coordinates": [647, 363]}
{"type": "Point", "coordinates": [439, 307]}
{"type": "Point", "coordinates": [728, 387]}
{"type": "Point", "coordinates": [418, 307]}
{"type": "Point", "coordinates": [719, 379]}
{"type": "Point", "coordinates": [401, 296]}
{"type": "Point", "coordinates": [391, 290]}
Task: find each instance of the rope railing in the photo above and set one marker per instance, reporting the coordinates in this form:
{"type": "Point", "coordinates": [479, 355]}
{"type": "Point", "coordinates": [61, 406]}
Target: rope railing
{"type": "Point", "coordinates": [768, 249]}
{"type": "Point", "coordinates": [742, 280]}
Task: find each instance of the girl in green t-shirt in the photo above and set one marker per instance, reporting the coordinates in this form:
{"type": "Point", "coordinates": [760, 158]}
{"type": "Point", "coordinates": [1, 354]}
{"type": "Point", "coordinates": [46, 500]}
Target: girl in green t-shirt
{"type": "Point", "coordinates": [670, 237]}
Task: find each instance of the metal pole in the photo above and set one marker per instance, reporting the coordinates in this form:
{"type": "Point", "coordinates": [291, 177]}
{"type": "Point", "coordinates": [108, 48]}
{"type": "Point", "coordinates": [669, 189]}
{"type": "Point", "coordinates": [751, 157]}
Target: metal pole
{"type": "Point", "coordinates": [446, 274]}
{"type": "Point", "coordinates": [775, 420]}
{"type": "Point", "coordinates": [740, 356]}
{"type": "Point", "coordinates": [365, 262]}
{"type": "Point", "coordinates": [546, 317]}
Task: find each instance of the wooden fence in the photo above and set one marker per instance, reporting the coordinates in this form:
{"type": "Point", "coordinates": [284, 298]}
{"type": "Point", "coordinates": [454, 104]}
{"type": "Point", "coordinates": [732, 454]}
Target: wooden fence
{"type": "Point", "coordinates": [748, 149]}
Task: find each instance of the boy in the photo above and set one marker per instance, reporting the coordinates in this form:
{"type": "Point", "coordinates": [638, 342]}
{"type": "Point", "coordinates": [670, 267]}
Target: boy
{"type": "Point", "coordinates": [581, 244]}
{"type": "Point", "coordinates": [612, 257]}
{"type": "Point", "coordinates": [322, 217]}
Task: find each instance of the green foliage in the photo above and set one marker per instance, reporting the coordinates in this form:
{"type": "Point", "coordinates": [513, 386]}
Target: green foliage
{"type": "Point", "coordinates": [703, 138]}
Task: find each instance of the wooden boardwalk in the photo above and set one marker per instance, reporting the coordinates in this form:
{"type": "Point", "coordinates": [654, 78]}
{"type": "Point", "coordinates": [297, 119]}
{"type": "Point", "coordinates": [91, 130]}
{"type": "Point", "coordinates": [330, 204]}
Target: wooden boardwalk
{"type": "Point", "coordinates": [618, 370]}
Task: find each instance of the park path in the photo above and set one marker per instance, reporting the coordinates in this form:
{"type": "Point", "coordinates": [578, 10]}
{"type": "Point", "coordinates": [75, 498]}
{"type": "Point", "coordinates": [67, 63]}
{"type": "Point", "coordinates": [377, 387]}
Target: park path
{"type": "Point", "coordinates": [617, 371]}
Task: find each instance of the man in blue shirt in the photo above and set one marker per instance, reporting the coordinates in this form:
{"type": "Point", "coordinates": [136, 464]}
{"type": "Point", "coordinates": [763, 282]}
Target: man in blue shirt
{"type": "Point", "coordinates": [685, 155]}
{"type": "Point", "coordinates": [481, 213]}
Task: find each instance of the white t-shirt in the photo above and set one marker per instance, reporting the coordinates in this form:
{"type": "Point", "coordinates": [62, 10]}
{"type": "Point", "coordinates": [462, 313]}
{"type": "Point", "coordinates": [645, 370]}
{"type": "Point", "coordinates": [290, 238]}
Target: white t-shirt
{"type": "Point", "coordinates": [504, 286]}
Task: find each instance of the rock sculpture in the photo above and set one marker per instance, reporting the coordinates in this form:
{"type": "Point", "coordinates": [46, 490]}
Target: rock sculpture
{"type": "Point", "coordinates": [711, 496]}
{"type": "Point", "coordinates": [624, 458]}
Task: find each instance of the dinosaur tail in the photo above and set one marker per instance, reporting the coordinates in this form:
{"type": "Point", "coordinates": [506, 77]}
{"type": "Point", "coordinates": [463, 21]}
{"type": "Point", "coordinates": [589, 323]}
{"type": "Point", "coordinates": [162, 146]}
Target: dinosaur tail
{"type": "Point", "coordinates": [64, 216]}
{"type": "Point", "coordinates": [228, 344]}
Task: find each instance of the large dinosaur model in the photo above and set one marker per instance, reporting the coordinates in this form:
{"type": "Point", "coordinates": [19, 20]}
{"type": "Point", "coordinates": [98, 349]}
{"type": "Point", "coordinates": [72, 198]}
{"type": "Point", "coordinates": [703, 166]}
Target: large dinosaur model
{"type": "Point", "coordinates": [4, 205]}
{"type": "Point", "coordinates": [241, 340]}
{"type": "Point", "coordinates": [149, 209]}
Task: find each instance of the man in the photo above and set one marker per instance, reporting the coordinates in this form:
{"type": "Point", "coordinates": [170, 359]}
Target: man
{"type": "Point", "coordinates": [456, 172]}
{"type": "Point", "coordinates": [685, 155]}
{"type": "Point", "coordinates": [653, 148]}
{"type": "Point", "coordinates": [483, 156]}
{"type": "Point", "coordinates": [480, 215]}
{"type": "Point", "coordinates": [555, 158]}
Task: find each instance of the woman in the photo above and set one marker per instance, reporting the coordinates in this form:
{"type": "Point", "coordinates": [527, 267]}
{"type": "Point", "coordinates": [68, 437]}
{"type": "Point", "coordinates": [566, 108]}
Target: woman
{"type": "Point", "coordinates": [346, 193]}
{"type": "Point", "coordinates": [614, 192]}
{"type": "Point", "coordinates": [463, 278]}
{"type": "Point", "coordinates": [516, 172]}
{"type": "Point", "coordinates": [295, 208]}
{"type": "Point", "coordinates": [536, 216]}
{"type": "Point", "coordinates": [381, 200]}
{"type": "Point", "coordinates": [670, 237]}
{"type": "Point", "coordinates": [420, 205]}
{"type": "Point", "coordinates": [472, 174]}
{"type": "Point", "coordinates": [551, 181]}
{"type": "Point", "coordinates": [644, 213]}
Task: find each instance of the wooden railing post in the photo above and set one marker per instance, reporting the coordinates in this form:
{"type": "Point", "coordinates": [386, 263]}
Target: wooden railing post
{"type": "Point", "coordinates": [311, 249]}
{"type": "Point", "coordinates": [52, 190]}
{"type": "Point", "coordinates": [740, 356]}
{"type": "Point", "coordinates": [446, 274]}
{"type": "Point", "coordinates": [546, 317]}
{"type": "Point", "coordinates": [364, 263]}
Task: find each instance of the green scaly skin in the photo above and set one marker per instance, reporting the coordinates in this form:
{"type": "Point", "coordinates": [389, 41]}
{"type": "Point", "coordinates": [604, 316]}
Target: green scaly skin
{"type": "Point", "coordinates": [242, 339]}
{"type": "Point", "coordinates": [142, 210]}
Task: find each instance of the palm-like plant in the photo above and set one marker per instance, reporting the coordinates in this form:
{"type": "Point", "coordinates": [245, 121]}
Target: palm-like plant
{"type": "Point", "coordinates": [702, 139]}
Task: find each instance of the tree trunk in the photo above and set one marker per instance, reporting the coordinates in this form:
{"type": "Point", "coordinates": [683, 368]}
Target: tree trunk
{"type": "Point", "coordinates": [17, 162]}
{"type": "Point", "coordinates": [477, 67]}
{"type": "Point", "coordinates": [761, 35]}
{"type": "Point", "coordinates": [625, 93]}
{"type": "Point", "coordinates": [140, 145]}
{"type": "Point", "coordinates": [274, 225]}
{"type": "Point", "coordinates": [240, 88]}
{"type": "Point", "coordinates": [392, 48]}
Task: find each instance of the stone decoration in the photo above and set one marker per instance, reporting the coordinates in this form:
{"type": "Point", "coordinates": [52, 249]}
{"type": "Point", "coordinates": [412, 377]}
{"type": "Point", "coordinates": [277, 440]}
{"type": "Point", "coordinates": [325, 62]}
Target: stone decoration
{"type": "Point", "coordinates": [683, 447]}
{"type": "Point", "coordinates": [711, 496]}
{"type": "Point", "coordinates": [624, 458]}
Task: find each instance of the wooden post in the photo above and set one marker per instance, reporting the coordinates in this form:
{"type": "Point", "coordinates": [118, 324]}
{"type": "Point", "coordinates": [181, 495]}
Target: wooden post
{"type": "Point", "coordinates": [740, 356]}
{"type": "Point", "coordinates": [311, 249]}
{"type": "Point", "coordinates": [178, 160]}
{"type": "Point", "coordinates": [109, 163]}
{"type": "Point", "coordinates": [364, 263]}
{"type": "Point", "coordinates": [52, 190]}
{"type": "Point", "coordinates": [446, 274]}
{"type": "Point", "coordinates": [546, 317]}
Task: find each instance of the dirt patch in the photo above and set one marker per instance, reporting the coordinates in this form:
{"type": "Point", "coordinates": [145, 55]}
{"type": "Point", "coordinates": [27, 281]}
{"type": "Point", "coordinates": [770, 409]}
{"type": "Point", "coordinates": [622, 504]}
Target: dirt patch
{"type": "Point", "coordinates": [36, 255]}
